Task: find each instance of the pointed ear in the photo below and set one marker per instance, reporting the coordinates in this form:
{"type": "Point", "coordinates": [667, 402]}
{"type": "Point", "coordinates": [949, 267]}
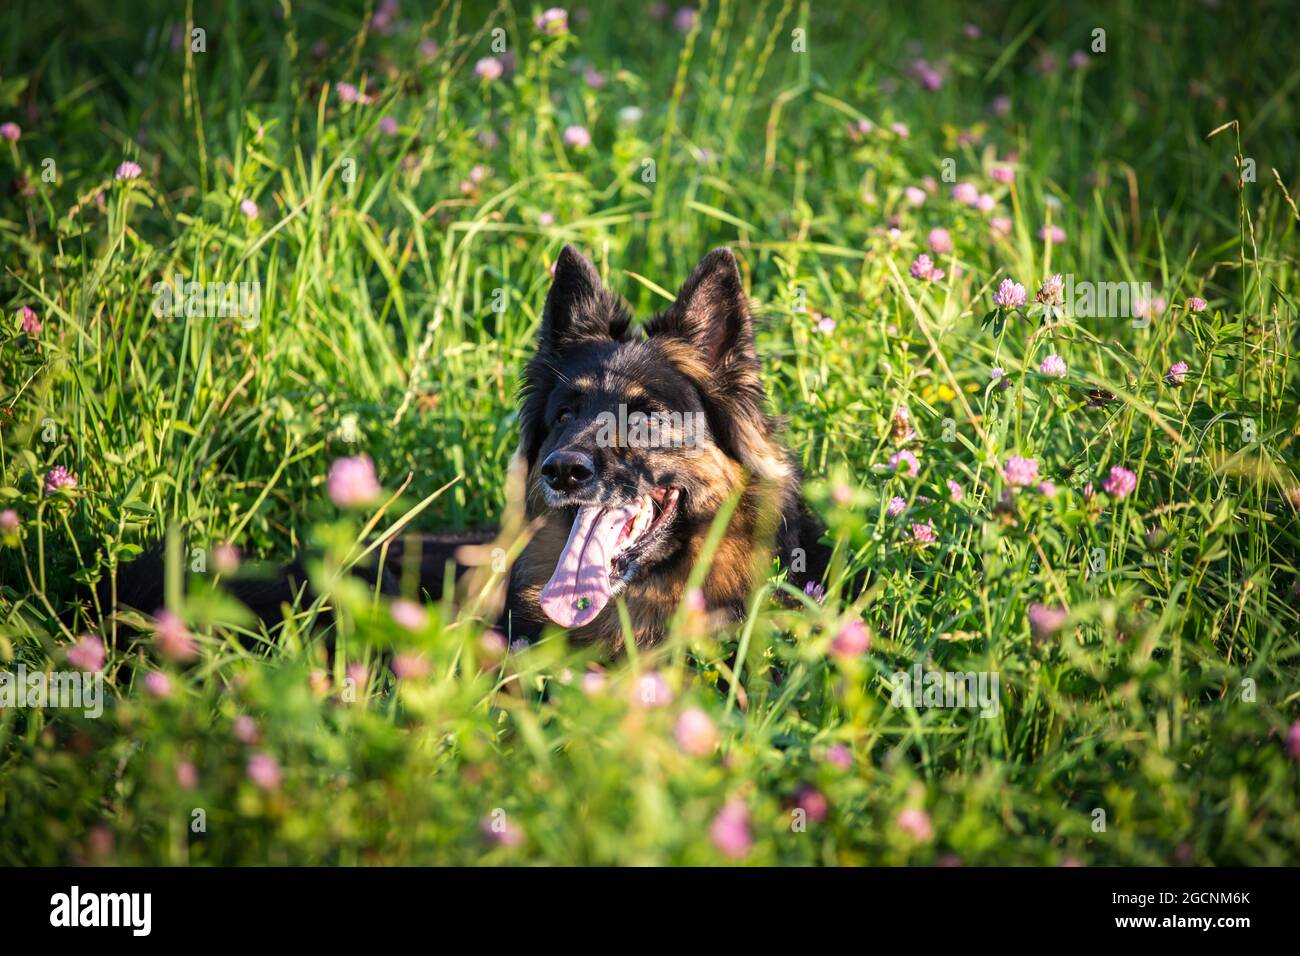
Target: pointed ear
{"type": "Point", "coordinates": [578, 306]}
{"type": "Point", "coordinates": [712, 313]}
{"type": "Point", "coordinates": [708, 334]}
{"type": "Point", "coordinates": [578, 309]}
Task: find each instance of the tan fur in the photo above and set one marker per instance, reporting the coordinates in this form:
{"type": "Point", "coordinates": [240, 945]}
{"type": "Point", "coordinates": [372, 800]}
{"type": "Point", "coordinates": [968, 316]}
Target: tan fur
{"type": "Point", "coordinates": [687, 361]}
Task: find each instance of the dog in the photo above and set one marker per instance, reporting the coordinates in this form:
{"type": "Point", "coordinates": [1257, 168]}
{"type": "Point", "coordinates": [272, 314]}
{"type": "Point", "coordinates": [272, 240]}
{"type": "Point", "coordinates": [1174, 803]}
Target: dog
{"type": "Point", "coordinates": [629, 519]}
{"type": "Point", "coordinates": [632, 440]}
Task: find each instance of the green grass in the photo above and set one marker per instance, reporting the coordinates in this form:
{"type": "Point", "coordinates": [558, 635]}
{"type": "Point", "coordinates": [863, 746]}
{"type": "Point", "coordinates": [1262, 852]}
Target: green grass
{"type": "Point", "coordinates": [401, 302]}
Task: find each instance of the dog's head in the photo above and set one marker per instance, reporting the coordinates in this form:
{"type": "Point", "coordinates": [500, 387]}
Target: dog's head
{"type": "Point", "coordinates": [634, 438]}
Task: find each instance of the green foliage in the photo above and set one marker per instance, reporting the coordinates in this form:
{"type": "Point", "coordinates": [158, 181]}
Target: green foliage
{"type": "Point", "coordinates": [401, 247]}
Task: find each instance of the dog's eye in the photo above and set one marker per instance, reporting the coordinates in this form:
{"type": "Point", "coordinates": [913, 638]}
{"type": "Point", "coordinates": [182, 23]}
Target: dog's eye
{"type": "Point", "coordinates": [566, 415]}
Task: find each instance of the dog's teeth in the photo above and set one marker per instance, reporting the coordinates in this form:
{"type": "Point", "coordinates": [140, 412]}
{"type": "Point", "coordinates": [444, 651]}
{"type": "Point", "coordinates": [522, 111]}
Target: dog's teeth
{"type": "Point", "coordinates": [648, 511]}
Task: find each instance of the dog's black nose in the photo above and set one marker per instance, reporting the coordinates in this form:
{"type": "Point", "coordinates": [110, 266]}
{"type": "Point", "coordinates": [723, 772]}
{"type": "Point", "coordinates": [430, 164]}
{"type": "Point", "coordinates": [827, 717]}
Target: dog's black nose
{"type": "Point", "coordinates": [568, 470]}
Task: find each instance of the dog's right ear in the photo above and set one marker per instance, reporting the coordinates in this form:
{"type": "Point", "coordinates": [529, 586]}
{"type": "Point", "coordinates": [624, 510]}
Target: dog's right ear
{"type": "Point", "coordinates": [578, 306]}
{"type": "Point", "coordinates": [579, 309]}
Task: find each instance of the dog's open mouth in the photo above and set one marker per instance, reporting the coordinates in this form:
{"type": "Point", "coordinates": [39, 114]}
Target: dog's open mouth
{"type": "Point", "coordinates": [602, 540]}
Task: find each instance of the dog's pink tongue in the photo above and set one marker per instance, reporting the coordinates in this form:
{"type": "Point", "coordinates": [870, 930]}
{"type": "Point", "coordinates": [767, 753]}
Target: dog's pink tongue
{"type": "Point", "coordinates": [579, 588]}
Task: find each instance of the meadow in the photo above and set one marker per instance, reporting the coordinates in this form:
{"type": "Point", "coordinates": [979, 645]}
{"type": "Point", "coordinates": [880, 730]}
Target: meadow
{"type": "Point", "coordinates": [244, 241]}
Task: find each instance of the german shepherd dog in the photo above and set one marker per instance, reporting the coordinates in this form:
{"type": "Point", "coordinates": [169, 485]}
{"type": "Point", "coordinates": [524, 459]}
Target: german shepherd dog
{"type": "Point", "coordinates": [632, 440]}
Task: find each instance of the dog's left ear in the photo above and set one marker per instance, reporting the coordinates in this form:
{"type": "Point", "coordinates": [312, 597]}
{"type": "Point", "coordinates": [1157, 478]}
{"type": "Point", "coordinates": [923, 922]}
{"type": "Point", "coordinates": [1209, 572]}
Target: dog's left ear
{"type": "Point", "coordinates": [712, 313]}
